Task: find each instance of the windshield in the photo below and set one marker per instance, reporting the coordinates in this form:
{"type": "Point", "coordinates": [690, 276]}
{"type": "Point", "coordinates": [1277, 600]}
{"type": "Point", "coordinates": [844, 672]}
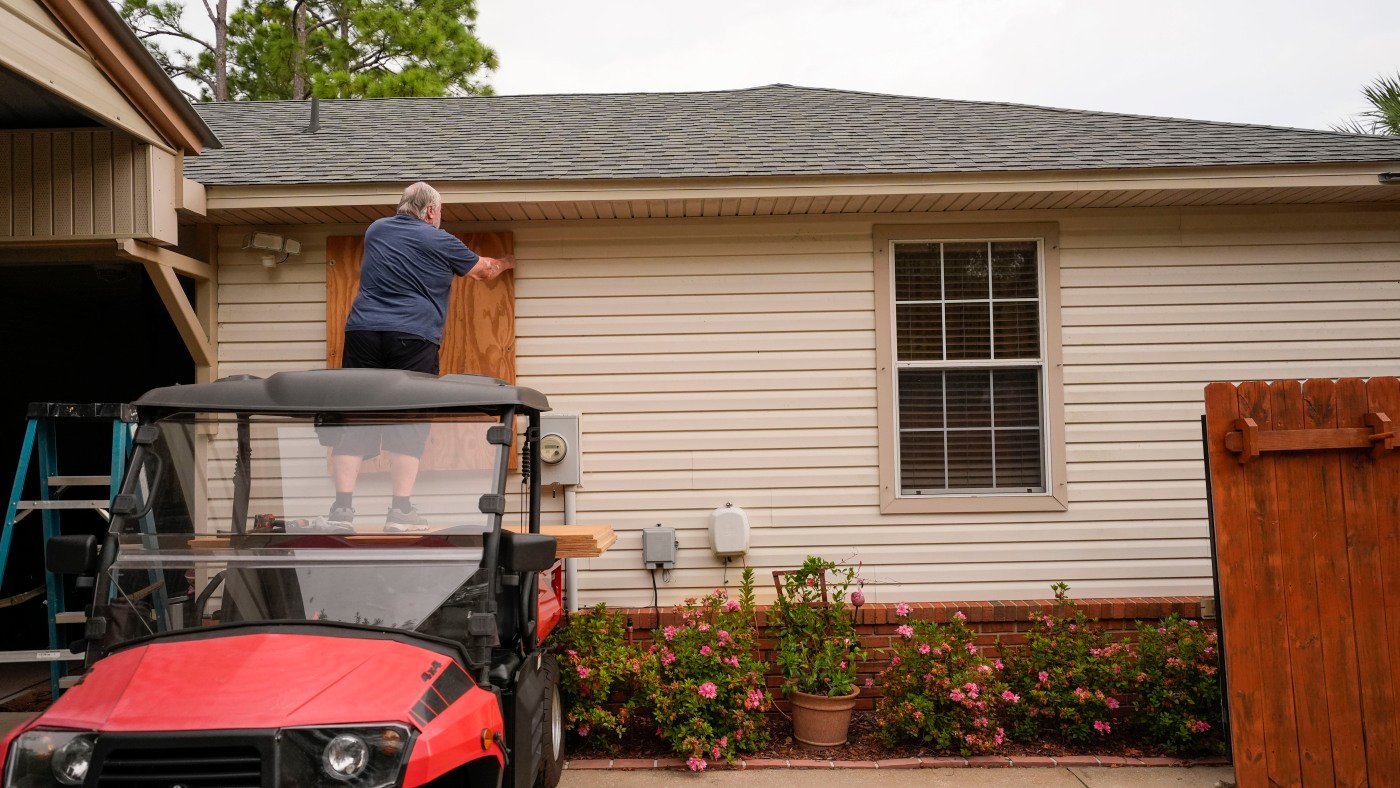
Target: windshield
{"type": "Point", "coordinates": [365, 521]}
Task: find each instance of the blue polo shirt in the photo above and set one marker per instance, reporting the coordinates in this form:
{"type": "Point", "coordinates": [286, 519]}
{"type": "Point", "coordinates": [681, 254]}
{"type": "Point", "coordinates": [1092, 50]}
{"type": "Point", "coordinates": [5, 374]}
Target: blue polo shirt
{"type": "Point", "coordinates": [406, 277]}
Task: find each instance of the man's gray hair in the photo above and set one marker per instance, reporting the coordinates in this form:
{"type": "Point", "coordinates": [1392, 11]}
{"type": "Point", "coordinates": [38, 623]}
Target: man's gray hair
{"type": "Point", "coordinates": [418, 198]}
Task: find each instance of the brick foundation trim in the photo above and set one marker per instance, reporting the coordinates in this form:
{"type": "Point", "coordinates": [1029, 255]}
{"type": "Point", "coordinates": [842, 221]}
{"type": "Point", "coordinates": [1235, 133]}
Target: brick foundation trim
{"type": "Point", "coordinates": [1111, 611]}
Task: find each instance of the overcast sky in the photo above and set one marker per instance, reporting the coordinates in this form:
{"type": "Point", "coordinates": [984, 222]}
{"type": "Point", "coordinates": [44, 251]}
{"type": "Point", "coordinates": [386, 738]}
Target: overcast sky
{"type": "Point", "coordinates": [1282, 62]}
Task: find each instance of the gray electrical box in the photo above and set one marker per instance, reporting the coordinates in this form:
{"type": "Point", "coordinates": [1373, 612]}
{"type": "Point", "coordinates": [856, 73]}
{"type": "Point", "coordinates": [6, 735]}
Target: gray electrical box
{"type": "Point", "coordinates": [561, 450]}
{"type": "Point", "coordinates": [659, 546]}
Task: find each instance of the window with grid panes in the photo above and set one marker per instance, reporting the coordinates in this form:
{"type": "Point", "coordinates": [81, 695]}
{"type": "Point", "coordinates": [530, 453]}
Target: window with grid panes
{"type": "Point", "coordinates": [970, 367]}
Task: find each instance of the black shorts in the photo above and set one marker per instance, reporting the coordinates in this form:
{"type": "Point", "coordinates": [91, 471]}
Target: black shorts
{"type": "Point", "coordinates": [384, 350]}
{"type": "Point", "coordinates": [389, 350]}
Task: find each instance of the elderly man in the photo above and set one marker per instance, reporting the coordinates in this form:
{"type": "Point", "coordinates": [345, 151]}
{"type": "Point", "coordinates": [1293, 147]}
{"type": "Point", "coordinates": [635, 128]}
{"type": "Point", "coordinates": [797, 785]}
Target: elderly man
{"type": "Point", "coordinates": [396, 322]}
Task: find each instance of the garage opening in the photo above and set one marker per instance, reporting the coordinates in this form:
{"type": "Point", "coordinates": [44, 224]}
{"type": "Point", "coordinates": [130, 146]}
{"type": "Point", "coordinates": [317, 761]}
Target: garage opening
{"type": "Point", "coordinates": [90, 332]}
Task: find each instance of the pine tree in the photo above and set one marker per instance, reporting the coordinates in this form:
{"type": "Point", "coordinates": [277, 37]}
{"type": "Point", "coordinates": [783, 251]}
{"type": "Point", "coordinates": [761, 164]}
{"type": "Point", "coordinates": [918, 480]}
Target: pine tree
{"type": "Point", "coordinates": [294, 49]}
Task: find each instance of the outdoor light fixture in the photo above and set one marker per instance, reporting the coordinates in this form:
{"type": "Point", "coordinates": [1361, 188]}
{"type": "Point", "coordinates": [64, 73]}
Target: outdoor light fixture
{"type": "Point", "coordinates": [275, 248]}
{"type": "Point", "coordinates": [1389, 178]}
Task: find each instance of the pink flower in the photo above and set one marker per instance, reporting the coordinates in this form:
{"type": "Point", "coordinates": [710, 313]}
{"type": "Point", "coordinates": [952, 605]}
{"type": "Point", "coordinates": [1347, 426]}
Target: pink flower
{"type": "Point", "coordinates": [723, 741]}
{"type": "Point", "coordinates": [1201, 726]}
{"type": "Point", "coordinates": [1044, 677]}
{"type": "Point", "coordinates": [667, 657]}
{"type": "Point", "coordinates": [703, 627]}
{"type": "Point", "coordinates": [669, 632]}
{"type": "Point", "coordinates": [754, 699]}
{"type": "Point", "coordinates": [971, 688]}
{"type": "Point", "coordinates": [705, 651]}
{"type": "Point", "coordinates": [971, 647]}
{"type": "Point", "coordinates": [696, 763]}
{"type": "Point", "coordinates": [1010, 697]}
{"type": "Point", "coordinates": [843, 665]}
{"type": "Point", "coordinates": [901, 609]}
{"type": "Point", "coordinates": [984, 668]}
{"type": "Point", "coordinates": [1194, 623]}
{"type": "Point", "coordinates": [583, 672]}
{"type": "Point", "coordinates": [956, 696]}
{"type": "Point", "coordinates": [731, 606]}
{"type": "Point", "coordinates": [981, 722]}
{"type": "Point", "coordinates": [708, 690]}
{"type": "Point", "coordinates": [583, 730]}
{"type": "Point", "coordinates": [1000, 737]}
{"type": "Point", "coordinates": [905, 631]}
{"type": "Point", "coordinates": [723, 636]}
{"type": "Point", "coordinates": [732, 661]}
{"type": "Point", "coordinates": [1102, 727]}
{"type": "Point", "coordinates": [924, 648]}
{"type": "Point", "coordinates": [999, 665]}
{"type": "Point", "coordinates": [895, 660]}
{"type": "Point", "coordinates": [938, 652]}
{"type": "Point", "coordinates": [869, 683]}
{"type": "Point", "coordinates": [572, 654]}
{"type": "Point", "coordinates": [1112, 703]}
{"type": "Point", "coordinates": [714, 752]}
{"type": "Point", "coordinates": [960, 616]}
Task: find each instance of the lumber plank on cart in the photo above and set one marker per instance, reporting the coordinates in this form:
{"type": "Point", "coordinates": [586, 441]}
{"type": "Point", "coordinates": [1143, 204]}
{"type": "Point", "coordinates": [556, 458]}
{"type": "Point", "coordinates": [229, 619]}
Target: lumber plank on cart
{"type": "Point", "coordinates": [578, 541]}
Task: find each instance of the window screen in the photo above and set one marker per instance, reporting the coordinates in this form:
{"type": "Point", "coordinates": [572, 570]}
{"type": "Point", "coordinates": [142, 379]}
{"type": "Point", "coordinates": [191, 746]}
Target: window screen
{"type": "Point", "coordinates": [970, 369]}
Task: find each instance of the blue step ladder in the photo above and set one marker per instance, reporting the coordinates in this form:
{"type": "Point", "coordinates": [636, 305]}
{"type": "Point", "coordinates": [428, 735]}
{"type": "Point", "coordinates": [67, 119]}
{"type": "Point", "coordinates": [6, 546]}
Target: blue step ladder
{"type": "Point", "coordinates": [55, 497]}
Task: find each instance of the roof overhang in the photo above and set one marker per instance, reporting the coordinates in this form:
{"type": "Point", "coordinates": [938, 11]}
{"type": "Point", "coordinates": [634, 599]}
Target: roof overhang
{"type": "Point", "coordinates": [713, 197]}
{"type": "Point", "coordinates": [82, 51]}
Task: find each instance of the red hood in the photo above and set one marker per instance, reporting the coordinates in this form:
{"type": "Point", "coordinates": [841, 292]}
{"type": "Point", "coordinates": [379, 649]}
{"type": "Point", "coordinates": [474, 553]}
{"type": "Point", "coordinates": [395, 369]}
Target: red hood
{"type": "Point", "coordinates": [249, 681]}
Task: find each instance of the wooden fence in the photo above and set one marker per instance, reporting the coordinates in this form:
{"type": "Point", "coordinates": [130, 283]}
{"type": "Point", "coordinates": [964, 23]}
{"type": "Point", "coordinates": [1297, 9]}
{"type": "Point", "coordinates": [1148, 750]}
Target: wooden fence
{"type": "Point", "coordinates": [1305, 496]}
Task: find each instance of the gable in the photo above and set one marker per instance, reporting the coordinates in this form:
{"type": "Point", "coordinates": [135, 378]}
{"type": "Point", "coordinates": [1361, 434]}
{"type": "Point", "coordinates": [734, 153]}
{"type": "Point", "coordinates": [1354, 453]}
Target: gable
{"type": "Point", "coordinates": [36, 47]}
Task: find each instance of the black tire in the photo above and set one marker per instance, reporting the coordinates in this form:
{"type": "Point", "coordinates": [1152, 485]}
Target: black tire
{"type": "Point", "coordinates": [553, 767]}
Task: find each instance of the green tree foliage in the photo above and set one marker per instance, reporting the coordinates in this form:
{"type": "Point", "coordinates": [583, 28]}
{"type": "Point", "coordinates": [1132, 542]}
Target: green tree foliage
{"type": "Point", "coordinates": [1384, 115]}
{"type": "Point", "coordinates": [294, 49]}
{"type": "Point", "coordinates": [161, 27]}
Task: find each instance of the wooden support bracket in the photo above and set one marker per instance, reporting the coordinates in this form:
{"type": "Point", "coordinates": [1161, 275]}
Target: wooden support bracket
{"type": "Point", "coordinates": [1249, 442]}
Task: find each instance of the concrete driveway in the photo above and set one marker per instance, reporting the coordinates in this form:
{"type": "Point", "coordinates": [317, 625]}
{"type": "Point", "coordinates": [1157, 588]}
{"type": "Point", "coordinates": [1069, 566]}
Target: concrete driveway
{"type": "Point", "coordinates": [1065, 777]}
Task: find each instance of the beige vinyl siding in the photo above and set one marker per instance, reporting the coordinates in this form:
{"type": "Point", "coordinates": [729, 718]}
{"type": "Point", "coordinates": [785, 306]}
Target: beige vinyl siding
{"type": "Point", "coordinates": [84, 184]}
{"type": "Point", "coordinates": [732, 360]}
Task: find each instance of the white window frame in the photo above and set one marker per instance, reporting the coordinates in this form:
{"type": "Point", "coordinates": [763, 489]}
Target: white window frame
{"type": "Point", "coordinates": [1054, 495]}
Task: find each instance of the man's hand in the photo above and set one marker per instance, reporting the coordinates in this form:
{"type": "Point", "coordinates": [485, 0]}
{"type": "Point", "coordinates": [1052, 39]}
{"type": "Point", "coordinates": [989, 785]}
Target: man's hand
{"type": "Point", "coordinates": [488, 268]}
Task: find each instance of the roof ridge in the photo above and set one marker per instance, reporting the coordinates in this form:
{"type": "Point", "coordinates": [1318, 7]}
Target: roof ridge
{"type": "Point", "coordinates": [806, 88]}
{"type": "Point", "coordinates": [368, 99]}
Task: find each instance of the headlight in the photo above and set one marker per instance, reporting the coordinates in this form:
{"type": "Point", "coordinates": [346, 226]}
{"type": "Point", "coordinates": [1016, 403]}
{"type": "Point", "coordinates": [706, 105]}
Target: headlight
{"type": "Point", "coordinates": [363, 756]}
{"type": "Point", "coordinates": [41, 757]}
{"type": "Point", "coordinates": [345, 757]}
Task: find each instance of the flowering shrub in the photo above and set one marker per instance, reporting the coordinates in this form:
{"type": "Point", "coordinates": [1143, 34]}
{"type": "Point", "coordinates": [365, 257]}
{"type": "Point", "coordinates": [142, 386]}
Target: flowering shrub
{"type": "Point", "coordinates": [708, 695]}
{"type": "Point", "coordinates": [1178, 691]}
{"type": "Point", "coordinates": [940, 690]}
{"type": "Point", "coordinates": [596, 662]}
{"type": "Point", "coordinates": [1068, 676]}
{"type": "Point", "coordinates": [817, 647]}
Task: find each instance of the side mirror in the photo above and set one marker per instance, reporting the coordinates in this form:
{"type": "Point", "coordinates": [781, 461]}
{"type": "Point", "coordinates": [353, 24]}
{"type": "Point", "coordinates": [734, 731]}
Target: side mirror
{"type": "Point", "coordinates": [526, 552]}
{"type": "Point", "coordinates": [71, 555]}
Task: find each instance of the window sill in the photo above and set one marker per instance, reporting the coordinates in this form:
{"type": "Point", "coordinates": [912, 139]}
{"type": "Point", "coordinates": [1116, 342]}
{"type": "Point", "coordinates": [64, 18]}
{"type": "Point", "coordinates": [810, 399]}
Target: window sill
{"type": "Point", "coordinates": [958, 504]}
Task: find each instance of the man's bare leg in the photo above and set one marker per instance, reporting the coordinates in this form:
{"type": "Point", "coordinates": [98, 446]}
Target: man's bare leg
{"type": "Point", "coordinates": [403, 516]}
{"type": "Point", "coordinates": [403, 472]}
{"type": "Point", "coordinates": [345, 470]}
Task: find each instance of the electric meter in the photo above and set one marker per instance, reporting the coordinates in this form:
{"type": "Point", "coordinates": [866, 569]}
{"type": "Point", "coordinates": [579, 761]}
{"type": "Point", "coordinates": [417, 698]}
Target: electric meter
{"type": "Point", "coordinates": [553, 447]}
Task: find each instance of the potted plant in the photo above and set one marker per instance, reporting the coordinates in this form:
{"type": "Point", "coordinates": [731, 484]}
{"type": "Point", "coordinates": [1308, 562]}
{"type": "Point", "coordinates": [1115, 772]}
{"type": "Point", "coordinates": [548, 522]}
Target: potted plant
{"type": "Point", "coordinates": [817, 649]}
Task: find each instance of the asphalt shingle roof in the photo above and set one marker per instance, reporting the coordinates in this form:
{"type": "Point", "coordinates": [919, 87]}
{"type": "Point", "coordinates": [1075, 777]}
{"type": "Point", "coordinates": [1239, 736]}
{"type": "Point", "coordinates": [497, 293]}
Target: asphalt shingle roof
{"type": "Point", "coordinates": [776, 130]}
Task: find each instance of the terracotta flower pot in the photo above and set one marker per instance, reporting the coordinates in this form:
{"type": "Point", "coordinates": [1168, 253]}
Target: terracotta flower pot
{"type": "Point", "coordinates": [820, 720]}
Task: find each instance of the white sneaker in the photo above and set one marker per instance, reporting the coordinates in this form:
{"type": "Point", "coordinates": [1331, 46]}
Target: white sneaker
{"type": "Point", "coordinates": [403, 522]}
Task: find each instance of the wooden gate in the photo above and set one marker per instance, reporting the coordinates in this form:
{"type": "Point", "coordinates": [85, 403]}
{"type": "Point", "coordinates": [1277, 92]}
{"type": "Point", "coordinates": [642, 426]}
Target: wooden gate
{"type": "Point", "coordinates": [1305, 495]}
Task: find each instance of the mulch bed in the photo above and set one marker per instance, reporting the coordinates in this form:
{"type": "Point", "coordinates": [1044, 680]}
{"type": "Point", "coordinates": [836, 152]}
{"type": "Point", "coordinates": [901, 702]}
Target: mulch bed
{"type": "Point", "coordinates": [865, 744]}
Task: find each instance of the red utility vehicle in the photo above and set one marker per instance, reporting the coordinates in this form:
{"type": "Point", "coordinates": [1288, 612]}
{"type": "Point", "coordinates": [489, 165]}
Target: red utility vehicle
{"type": "Point", "coordinates": [237, 639]}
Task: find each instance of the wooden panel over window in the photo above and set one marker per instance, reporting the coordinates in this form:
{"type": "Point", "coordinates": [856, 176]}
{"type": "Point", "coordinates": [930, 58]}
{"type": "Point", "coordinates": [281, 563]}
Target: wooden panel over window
{"type": "Point", "coordinates": [478, 337]}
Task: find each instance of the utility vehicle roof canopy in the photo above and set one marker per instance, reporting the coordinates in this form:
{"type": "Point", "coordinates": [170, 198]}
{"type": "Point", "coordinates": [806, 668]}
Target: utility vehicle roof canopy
{"type": "Point", "coordinates": [346, 391]}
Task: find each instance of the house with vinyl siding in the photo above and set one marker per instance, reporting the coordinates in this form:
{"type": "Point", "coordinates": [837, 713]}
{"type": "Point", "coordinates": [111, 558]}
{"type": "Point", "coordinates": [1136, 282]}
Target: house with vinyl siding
{"type": "Point", "coordinates": [961, 343]}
